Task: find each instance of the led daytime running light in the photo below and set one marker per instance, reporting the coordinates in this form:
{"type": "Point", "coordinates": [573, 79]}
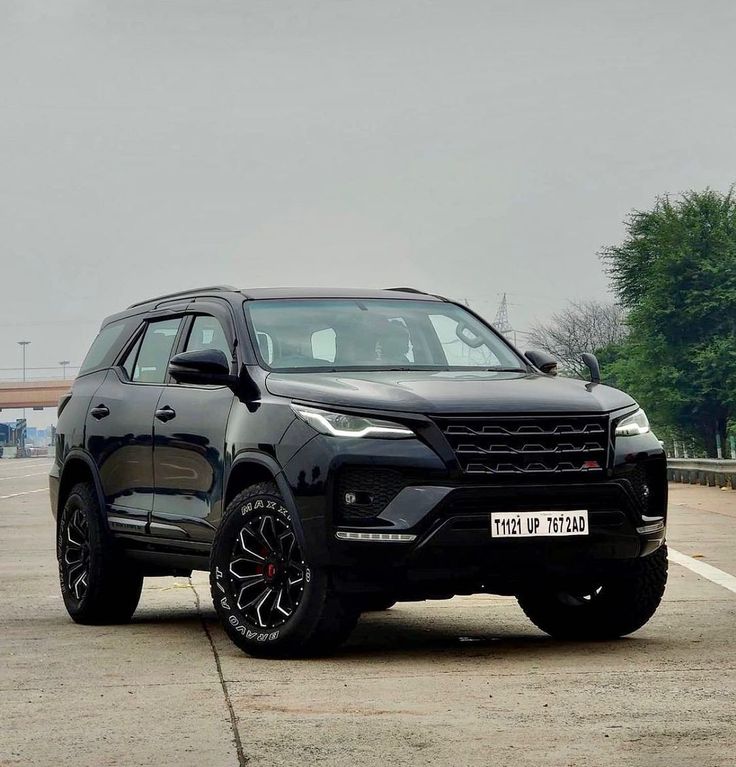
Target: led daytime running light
{"type": "Point", "coordinates": [348, 425]}
{"type": "Point", "coordinates": [633, 425]}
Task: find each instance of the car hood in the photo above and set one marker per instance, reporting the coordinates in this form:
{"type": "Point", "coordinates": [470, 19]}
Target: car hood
{"type": "Point", "coordinates": [449, 392]}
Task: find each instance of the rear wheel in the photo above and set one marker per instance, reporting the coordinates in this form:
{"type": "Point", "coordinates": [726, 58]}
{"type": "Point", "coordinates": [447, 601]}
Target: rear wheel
{"type": "Point", "coordinates": [606, 610]}
{"type": "Point", "coordinates": [98, 584]}
{"type": "Point", "coordinates": [271, 601]}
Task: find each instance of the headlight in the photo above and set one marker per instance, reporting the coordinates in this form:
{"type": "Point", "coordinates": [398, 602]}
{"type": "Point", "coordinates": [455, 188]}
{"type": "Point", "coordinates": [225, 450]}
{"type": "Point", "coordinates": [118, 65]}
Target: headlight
{"type": "Point", "coordinates": [636, 423]}
{"type": "Point", "coordinates": [345, 425]}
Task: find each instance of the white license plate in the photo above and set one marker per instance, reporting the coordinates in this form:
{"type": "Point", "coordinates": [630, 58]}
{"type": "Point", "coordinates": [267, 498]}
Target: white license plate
{"type": "Point", "coordinates": [538, 524]}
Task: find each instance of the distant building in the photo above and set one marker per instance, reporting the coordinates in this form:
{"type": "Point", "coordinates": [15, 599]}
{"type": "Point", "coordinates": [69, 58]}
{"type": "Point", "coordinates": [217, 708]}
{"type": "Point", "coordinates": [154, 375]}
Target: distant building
{"type": "Point", "coordinates": [7, 433]}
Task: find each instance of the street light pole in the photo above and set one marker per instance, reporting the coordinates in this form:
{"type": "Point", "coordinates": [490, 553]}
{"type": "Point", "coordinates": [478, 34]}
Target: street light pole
{"type": "Point", "coordinates": [63, 364]}
{"type": "Point", "coordinates": [23, 345]}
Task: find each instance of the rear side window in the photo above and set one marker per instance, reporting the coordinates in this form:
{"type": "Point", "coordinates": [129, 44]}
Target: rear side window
{"type": "Point", "coordinates": [128, 364]}
{"type": "Point", "coordinates": [105, 346]}
{"type": "Point", "coordinates": [154, 351]}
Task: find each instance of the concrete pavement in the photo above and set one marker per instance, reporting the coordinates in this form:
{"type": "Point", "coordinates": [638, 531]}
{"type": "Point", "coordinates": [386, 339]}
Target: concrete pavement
{"type": "Point", "coordinates": [464, 682]}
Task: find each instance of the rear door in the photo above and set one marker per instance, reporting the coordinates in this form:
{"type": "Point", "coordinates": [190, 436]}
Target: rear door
{"type": "Point", "coordinates": [189, 436]}
{"type": "Point", "coordinates": [120, 423]}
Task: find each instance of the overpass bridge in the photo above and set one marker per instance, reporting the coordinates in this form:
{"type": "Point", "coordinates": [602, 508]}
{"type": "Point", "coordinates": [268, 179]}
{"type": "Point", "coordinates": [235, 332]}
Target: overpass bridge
{"type": "Point", "coordinates": [33, 394]}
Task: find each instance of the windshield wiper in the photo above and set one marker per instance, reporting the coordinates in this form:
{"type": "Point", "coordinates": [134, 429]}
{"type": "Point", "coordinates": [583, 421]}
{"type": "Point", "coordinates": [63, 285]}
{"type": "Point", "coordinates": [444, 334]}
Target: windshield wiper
{"type": "Point", "coordinates": [505, 370]}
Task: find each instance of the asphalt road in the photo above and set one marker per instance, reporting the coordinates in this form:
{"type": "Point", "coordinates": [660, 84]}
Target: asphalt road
{"type": "Point", "coordinates": [464, 682]}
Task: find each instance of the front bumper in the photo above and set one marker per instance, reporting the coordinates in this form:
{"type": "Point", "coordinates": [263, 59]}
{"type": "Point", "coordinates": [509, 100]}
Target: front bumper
{"type": "Point", "coordinates": [452, 540]}
{"type": "Point", "coordinates": [434, 533]}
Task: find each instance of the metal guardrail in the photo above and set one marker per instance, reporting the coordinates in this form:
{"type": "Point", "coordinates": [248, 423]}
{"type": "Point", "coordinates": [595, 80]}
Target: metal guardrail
{"type": "Point", "coordinates": [702, 471]}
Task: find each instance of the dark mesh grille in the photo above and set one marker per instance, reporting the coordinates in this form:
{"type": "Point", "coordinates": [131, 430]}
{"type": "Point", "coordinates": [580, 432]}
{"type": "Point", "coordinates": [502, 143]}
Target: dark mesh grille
{"type": "Point", "coordinates": [375, 488]}
{"type": "Point", "coordinates": [638, 479]}
{"type": "Point", "coordinates": [528, 446]}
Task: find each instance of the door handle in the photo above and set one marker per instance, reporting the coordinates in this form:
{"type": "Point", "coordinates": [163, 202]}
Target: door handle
{"type": "Point", "coordinates": [100, 412]}
{"type": "Point", "coordinates": [165, 413]}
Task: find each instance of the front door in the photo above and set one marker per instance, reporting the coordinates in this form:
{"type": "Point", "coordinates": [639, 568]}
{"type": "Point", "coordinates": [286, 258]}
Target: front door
{"type": "Point", "coordinates": [189, 444]}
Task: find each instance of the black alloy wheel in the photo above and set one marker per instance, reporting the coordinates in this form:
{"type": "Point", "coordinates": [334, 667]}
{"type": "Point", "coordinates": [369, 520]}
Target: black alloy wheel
{"type": "Point", "coordinates": [74, 560]}
{"type": "Point", "coordinates": [267, 572]}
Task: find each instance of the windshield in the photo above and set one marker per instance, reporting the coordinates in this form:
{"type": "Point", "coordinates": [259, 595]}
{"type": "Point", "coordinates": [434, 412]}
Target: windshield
{"type": "Point", "coordinates": [374, 334]}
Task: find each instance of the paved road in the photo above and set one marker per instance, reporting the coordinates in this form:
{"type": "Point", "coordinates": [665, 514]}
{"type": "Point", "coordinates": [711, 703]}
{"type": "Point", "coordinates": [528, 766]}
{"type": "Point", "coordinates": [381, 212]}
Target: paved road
{"type": "Point", "coordinates": [465, 682]}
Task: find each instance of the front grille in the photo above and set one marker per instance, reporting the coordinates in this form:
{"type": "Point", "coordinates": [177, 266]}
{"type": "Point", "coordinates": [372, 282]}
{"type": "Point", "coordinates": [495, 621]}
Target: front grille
{"type": "Point", "coordinates": [528, 446]}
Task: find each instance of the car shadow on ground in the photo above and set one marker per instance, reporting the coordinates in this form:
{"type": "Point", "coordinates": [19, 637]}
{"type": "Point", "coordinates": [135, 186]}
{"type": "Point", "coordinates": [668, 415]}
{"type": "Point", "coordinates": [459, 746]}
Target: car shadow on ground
{"type": "Point", "coordinates": [402, 634]}
{"type": "Point", "coordinates": [454, 637]}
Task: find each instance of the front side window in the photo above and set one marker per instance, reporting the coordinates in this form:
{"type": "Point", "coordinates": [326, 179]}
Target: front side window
{"type": "Point", "coordinates": [374, 334]}
{"type": "Point", "coordinates": [207, 333]}
{"type": "Point", "coordinates": [153, 354]}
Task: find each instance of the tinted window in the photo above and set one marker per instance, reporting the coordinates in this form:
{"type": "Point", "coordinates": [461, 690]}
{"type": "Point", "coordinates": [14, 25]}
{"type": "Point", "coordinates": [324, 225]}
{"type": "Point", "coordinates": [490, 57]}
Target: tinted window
{"type": "Point", "coordinates": [155, 350]}
{"type": "Point", "coordinates": [374, 334]}
{"type": "Point", "coordinates": [207, 333]}
{"type": "Point", "coordinates": [128, 363]}
{"type": "Point", "coordinates": [105, 346]}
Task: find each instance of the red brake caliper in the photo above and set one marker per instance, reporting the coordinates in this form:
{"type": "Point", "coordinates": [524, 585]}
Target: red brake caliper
{"type": "Point", "coordinates": [259, 568]}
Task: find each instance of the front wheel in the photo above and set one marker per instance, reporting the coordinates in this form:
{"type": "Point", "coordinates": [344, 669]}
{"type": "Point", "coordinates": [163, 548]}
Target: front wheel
{"type": "Point", "coordinates": [606, 610]}
{"type": "Point", "coordinates": [271, 601]}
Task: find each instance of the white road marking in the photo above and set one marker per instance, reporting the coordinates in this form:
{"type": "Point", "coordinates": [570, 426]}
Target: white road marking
{"type": "Point", "coordinates": [705, 570]}
{"type": "Point", "coordinates": [21, 476]}
{"type": "Point", "coordinates": [25, 492]}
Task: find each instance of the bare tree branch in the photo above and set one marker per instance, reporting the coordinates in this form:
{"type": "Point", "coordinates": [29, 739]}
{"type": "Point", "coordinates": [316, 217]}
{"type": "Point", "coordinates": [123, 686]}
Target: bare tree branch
{"type": "Point", "coordinates": [584, 326]}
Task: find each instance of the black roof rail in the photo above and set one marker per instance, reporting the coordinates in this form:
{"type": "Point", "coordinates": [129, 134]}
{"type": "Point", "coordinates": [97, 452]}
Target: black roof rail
{"type": "Point", "coordinates": [420, 293]}
{"type": "Point", "coordinates": [409, 290]}
{"type": "Point", "coordinates": [191, 291]}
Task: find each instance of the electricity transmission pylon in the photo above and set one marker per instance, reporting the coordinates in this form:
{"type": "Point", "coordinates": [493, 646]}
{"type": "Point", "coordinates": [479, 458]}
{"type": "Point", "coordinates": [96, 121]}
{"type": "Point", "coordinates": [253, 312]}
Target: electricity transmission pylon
{"type": "Point", "coordinates": [501, 322]}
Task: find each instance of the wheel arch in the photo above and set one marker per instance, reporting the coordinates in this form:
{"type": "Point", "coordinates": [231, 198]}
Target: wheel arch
{"type": "Point", "coordinates": [79, 467]}
{"type": "Point", "coordinates": [252, 467]}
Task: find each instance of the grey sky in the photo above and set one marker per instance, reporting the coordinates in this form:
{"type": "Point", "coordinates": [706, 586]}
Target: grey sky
{"type": "Point", "coordinates": [467, 148]}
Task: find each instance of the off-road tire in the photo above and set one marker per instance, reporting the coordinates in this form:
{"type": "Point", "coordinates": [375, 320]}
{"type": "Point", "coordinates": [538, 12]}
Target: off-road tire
{"type": "Point", "coordinates": [254, 615]}
{"type": "Point", "coordinates": [617, 607]}
{"type": "Point", "coordinates": [98, 584]}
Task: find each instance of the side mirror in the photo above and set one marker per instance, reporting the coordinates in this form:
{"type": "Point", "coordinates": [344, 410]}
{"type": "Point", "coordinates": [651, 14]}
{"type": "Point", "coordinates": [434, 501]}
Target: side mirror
{"type": "Point", "coordinates": [591, 362]}
{"type": "Point", "coordinates": [543, 361]}
{"type": "Point", "coordinates": [203, 366]}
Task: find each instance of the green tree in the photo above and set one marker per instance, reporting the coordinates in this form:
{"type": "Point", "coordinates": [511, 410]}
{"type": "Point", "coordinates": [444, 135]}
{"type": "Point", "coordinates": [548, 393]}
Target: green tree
{"type": "Point", "coordinates": [675, 273]}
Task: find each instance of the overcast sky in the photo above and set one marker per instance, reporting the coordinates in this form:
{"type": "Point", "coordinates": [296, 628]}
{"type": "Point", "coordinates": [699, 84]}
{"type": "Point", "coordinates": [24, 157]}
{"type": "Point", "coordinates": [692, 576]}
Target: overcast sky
{"type": "Point", "coordinates": [466, 148]}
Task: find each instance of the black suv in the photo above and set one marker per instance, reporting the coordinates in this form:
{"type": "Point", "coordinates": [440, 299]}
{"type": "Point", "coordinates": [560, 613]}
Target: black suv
{"type": "Point", "coordinates": [327, 452]}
